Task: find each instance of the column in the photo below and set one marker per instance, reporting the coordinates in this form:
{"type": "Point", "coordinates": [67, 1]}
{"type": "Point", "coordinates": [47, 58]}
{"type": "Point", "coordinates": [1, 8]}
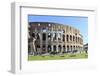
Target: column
{"type": "Point", "coordinates": [57, 42]}
{"type": "Point", "coordinates": [57, 37]}
{"type": "Point", "coordinates": [52, 34]}
{"type": "Point", "coordinates": [56, 48]}
{"type": "Point", "coordinates": [66, 48]}
{"type": "Point", "coordinates": [72, 39]}
{"type": "Point", "coordinates": [46, 45]}
{"type": "Point", "coordinates": [65, 34]}
{"type": "Point", "coordinates": [51, 48]}
{"type": "Point", "coordinates": [61, 48]}
{"type": "Point", "coordinates": [41, 43]}
{"type": "Point", "coordinates": [69, 38]}
{"type": "Point", "coordinates": [31, 48]}
{"type": "Point", "coordinates": [61, 37]}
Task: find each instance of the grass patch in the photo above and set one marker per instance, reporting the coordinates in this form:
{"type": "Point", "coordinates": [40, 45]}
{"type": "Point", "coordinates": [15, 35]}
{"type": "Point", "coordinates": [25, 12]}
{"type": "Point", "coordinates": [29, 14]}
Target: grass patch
{"type": "Point", "coordinates": [58, 57]}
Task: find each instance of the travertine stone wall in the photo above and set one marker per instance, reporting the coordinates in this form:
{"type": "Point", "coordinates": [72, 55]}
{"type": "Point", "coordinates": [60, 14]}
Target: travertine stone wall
{"type": "Point", "coordinates": [54, 37]}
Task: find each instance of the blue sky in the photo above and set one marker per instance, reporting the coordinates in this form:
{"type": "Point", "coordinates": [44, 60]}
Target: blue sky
{"type": "Point", "coordinates": [78, 22]}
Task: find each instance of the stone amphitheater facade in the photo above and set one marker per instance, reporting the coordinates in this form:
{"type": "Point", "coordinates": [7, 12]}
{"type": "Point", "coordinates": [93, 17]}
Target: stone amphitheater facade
{"type": "Point", "coordinates": [54, 37]}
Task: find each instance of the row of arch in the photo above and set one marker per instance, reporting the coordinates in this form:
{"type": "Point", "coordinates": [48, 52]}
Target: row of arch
{"type": "Point", "coordinates": [69, 38]}
{"type": "Point", "coordinates": [73, 39]}
{"type": "Point", "coordinates": [52, 26]}
{"type": "Point", "coordinates": [58, 48]}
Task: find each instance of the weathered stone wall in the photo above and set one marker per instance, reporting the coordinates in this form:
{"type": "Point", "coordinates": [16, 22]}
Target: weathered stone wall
{"type": "Point", "coordinates": [55, 37]}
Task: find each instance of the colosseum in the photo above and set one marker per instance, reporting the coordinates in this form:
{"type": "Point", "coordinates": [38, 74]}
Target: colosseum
{"type": "Point", "coordinates": [48, 37]}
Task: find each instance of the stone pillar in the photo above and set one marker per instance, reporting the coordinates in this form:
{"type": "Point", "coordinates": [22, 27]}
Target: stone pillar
{"type": "Point", "coordinates": [51, 34]}
{"type": "Point", "coordinates": [46, 46]}
{"type": "Point", "coordinates": [72, 39]}
{"type": "Point", "coordinates": [61, 48]}
{"type": "Point", "coordinates": [61, 37]}
{"type": "Point", "coordinates": [56, 48]}
{"type": "Point", "coordinates": [51, 48]}
{"type": "Point", "coordinates": [34, 48]}
{"type": "Point", "coordinates": [69, 48]}
{"type": "Point", "coordinates": [31, 47]}
{"type": "Point", "coordinates": [69, 38]}
{"type": "Point", "coordinates": [65, 37]}
{"type": "Point", "coordinates": [66, 48]}
{"type": "Point", "coordinates": [57, 41]}
{"type": "Point", "coordinates": [57, 37]}
{"type": "Point", "coordinates": [65, 34]}
{"type": "Point", "coordinates": [41, 42]}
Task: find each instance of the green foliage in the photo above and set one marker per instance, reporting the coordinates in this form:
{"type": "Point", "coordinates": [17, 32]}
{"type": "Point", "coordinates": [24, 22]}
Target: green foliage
{"type": "Point", "coordinates": [58, 57]}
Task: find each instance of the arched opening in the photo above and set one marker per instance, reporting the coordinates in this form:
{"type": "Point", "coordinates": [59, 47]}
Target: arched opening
{"type": "Point", "coordinates": [64, 49]}
{"type": "Point", "coordinates": [67, 37]}
{"type": "Point", "coordinates": [49, 48]}
{"type": "Point", "coordinates": [43, 49]}
{"type": "Point", "coordinates": [76, 47]}
{"type": "Point", "coordinates": [54, 48]}
{"type": "Point", "coordinates": [67, 48]}
{"type": "Point", "coordinates": [76, 39]}
{"type": "Point", "coordinates": [63, 37]}
{"type": "Point", "coordinates": [59, 48]}
{"type": "Point", "coordinates": [71, 48]}
{"type": "Point", "coordinates": [44, 36]}
{"type": "Point", "coordinates": [38, 49]}
{"type": "Point", "coordinates": [73, 38]}
{"type": "Point", "coordinates": [55, 36]}
{"type": "Point", "coordinates": [70, 38]}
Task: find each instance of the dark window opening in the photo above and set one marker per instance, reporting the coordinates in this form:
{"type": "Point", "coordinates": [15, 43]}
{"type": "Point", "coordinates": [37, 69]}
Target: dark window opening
{"type": "Point", "coordinates": [67, 38]}
{"type": "Point", "coordinates": [67, 48]}
{"type": "Point", "coordinates": [70, 38]}
{"type": "Point", "coordinates": [43, 36]}
{"type": "Point", "coordinates": [64, 48]}
{"type": "Point", "coordinates": [49, 48]}
{"type": "Point", "coordinates": [43, 48]}
{"type": "Point", "coordinates": [59, 48]}
{"type": "Point", "coordinates": [54, 47]}
{"type": "Point", "coordinates": [63, 37]}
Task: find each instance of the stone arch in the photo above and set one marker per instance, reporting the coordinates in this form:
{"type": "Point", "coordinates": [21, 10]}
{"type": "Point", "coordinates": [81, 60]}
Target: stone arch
{"type": "Point", "coordinates": [73, 38]}
{"type": "Point", "coordinates": [59, 48]}
{"type": "Point", "coordinates": [64, 48]}
{"type": "Point", "coordinates": [76, 47]}
{"type": "Point", "coordinates": [70, 37]}
{"type": "Point", "coordinates": [76, 39]}
{"type": "Point", "coordinates": [54, 48]}
{"type": "Point", "coordinates": [49, 48]}
{"type": "Point", "coordinates": [43, 48]}
{"type": "Point", "coordinates": [44, 36]}
{"type": "Point", "coordinates": [67, 37]}
{"type": "Point", "coordinates": [71, 48]}
{"type": "Point", "coordinates": [63, 37]}
{"type": "Point", "coordinates": [67, 47]}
